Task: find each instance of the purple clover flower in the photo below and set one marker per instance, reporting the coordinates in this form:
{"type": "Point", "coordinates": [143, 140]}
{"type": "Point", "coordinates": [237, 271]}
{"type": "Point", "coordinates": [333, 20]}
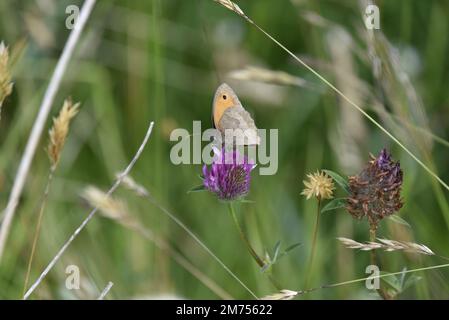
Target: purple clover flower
{"type": "Point", "coordinates": [229, 175]}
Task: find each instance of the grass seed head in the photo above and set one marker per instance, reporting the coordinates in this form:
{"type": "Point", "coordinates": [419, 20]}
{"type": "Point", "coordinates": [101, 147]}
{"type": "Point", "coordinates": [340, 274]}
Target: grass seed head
{"type": "Point", "coordinates": [5, 75]}
{"type": "Point", "coordinates": [60, 129]}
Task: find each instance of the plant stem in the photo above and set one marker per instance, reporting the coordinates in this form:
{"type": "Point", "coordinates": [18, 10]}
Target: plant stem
{"type": "Point", "coordinates": [372, 237]}
{"type": "Point", "coordinates": [38, 227]}
{"type": "Point", "coordinates": [244, 238]}
{"type": "Point", "coordinates": [253, 253]}
{"type": "Point", "coordinates": [314, 238]}
{"type": "Point", "coordinates": [141, 191]}
{"type": "Point", "coordinates": [39, 123]}
{"type": "Point", "coordinates": [83, 224]}
{"type": "Point", "coordinates": [105, 290]}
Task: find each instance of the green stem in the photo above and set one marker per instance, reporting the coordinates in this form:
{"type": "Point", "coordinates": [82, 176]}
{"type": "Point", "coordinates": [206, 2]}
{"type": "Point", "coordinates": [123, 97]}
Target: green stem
{"type": "Point", "coordinates": [372, 238]}
{"type": "Point", "coordinates": [253, 253]}
{"type": "Point", "coordinates": [314, 240]}
{"type": "Point", "coordinates": [38, 227]}
{"type": "Point", "coordinates": [244, 238]}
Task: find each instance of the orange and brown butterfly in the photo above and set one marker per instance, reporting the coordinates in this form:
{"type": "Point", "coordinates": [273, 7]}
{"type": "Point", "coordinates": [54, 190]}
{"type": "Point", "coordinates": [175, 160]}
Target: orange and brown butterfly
{"type": "Point", "coordinates": [228, 113]}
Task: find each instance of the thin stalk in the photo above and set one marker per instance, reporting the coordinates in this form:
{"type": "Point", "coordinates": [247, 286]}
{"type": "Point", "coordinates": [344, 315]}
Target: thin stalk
{"type": "Point", "coordinates": [105, 290]}
{"type": "Point", "coordinates": [253, 253]}
{"type": "Point", "coordinates": [39, 123]}
{"type": "Point", "coordinates": [372, 238]}
{"type": "Point", "coordinates": [164, 245]}
{"type": "Point", "coordinates": [314, 238]}
{"type": "Point", "coordinates": [251, 250]}
{"type": "Point", "coordinates": [38, 227]}
{"type": "Point", "coordinates": [373, 254]}
{"type": "Point", "coordinates": [142, 192]}
{"type": "Point", "coordinates": [114, 187]}
{"type": "Point", "coordinates": [327, 286]}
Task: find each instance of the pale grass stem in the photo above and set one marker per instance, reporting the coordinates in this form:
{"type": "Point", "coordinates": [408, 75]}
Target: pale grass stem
{"type": "Point", "coordinates": [117, 211]}
{"type": "Point", "coordinates": [114, 187]}
{"type": "Point", "coordinates": [58, 134]}
{"type": "Point", "coordinates": [314, 240]}
{"type": "Point", "coordinates": [291, 294]}
{"type": "Point", "coordinates": [248, 245]}
{"type": "Point", "coordinates": [233, 7]}
{"type": "Point", "coordinates": [105, 291]}
{"type": "Point", "coordinates": [143, 192]}
{"type": "Point", "coordinates": [39, 123]}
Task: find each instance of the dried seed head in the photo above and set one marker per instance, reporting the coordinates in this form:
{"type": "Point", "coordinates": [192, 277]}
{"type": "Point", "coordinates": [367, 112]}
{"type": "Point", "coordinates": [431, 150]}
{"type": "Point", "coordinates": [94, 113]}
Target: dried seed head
{"type": "Point", "coordinates": [231, 6]}
{"type": "Point", "coordinates": [319, 185]}
{"type": "Point", "coordinates": [109, 207]}
{"type": "Point", "coordinates": [129, 183]}
{"type": "Point", "coordinates": [5, 75]}
{"type": "Point", "coordinates": [284, 294]}
{"type": "Point", "coordinates": [376, 191]}
{"type": "Point", "coordinates": [58, 133]}
{"type": "Point", "coordinates": [387, 245]}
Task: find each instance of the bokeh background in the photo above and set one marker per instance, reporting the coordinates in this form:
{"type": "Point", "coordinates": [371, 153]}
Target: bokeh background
{"type": "Point", "coordinates": [142, 61]}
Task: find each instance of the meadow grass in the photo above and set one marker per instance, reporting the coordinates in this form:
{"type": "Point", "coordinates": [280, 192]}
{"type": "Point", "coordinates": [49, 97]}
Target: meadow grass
{"type": "Point", "coordinates": [159, 61]}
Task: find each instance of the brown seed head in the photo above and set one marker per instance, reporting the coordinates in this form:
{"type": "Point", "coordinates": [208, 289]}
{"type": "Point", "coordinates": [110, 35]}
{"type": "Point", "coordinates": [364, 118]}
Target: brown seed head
{"type": "Point", "coordinates": [58, 133]}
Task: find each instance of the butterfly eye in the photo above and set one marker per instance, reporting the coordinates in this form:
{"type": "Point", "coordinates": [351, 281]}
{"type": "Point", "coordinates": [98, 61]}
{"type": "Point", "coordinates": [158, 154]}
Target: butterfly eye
{"type": "Point", "coordinates": [224, 97]}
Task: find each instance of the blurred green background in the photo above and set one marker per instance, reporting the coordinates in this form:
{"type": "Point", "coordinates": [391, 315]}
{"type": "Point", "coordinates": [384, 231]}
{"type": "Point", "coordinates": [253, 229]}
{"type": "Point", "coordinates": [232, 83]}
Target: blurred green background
{"type": "Point", "coordinates": [161, 60]}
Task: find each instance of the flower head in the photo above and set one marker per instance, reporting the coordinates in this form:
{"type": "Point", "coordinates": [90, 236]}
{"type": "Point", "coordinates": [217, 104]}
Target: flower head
{"type": "Point", "coordinates": [319, 185]}
{"type": "Point", "coordinates": [229, 175]}
{"type": "Point", "coordinates": [375, 192]}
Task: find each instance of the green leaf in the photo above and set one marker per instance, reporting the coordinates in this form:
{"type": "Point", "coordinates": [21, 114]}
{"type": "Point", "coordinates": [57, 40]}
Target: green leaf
{"type": "Point", "coordinates": [197, 189]}
{"type": "Point", "coordinates": [289, 248]}
{"type": "Point", "coordinates": [339, 180]}
{"type": "Point", "coordinates": [276, 249]}
{"type": "Point", "coordinates": [392, 281]}
{"type": "Point", "coordinates": [334, 204]}
{"type": "Point", "coordinates": [411, 281]}
{"type": "Point", "coordinates": [399, 220]}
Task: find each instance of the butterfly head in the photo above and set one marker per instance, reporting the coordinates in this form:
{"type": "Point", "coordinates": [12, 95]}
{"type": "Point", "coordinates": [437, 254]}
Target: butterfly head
{"type": "Point", "coordinates": [224, 98]}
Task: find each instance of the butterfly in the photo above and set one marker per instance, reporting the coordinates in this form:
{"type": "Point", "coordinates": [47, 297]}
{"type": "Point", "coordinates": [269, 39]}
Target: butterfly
{"type": "Point", "coordinates": [229, 114]}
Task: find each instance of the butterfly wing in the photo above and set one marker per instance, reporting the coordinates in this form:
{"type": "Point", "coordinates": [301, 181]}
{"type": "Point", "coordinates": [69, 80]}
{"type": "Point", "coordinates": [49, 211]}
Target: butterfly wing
{"type": "Point", "coordinates": [237, 117]}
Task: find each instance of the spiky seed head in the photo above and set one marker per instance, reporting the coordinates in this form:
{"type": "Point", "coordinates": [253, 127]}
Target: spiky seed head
{"type": "Point", "coordinates": [5, 75]}
{"type": "Point", "coordinates": [319, 185]}
{"type": "Point", "coordinates": [60, 129]}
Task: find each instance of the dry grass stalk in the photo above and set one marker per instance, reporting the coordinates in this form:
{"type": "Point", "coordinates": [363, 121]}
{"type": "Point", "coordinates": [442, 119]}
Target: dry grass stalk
{"type": "Point", "coordinates": [141, 191]}
{"type": "Point", "coordinates": [387, 245]}
{"type": "Point", "coordinates": [39, 123]}
{"type": "Point", "coordinates": [281, 295]}
{"type": "Point", "coordinates": [105, 290]}
{"type": "Point", "coordinates": [83, 224]}
{"type": "Point", "coordinates": [57, 134]}
{"type": "Point", "coordinates": [5, 75]}
{"type": "Point", "coordinates": [116, 210]}
{"type": "Point", "coordinates": [60, 129]}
